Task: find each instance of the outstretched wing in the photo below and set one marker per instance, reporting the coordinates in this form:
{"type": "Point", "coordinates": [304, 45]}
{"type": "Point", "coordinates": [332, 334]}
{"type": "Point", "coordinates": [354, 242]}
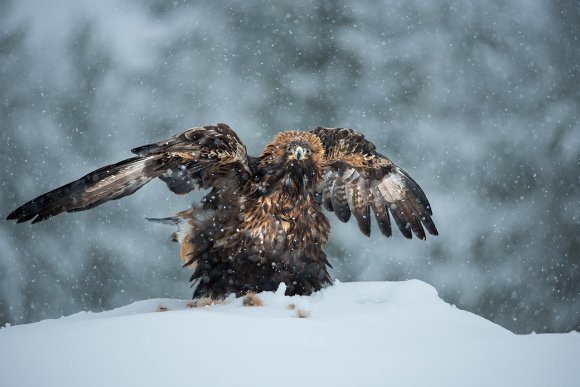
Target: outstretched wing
{"type": "Point", "coordinates": [201, 157]}
{"type": "Point", "coordinates": [357, 178]}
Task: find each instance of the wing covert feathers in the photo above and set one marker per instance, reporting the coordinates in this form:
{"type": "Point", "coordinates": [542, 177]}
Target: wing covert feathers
{"type": "Point", "coordinates": [208, 153]}
{"type": "Point", "coordinates": [357, 178]}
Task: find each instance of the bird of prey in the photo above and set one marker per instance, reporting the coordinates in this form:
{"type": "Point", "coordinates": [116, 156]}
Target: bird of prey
{"type": "Point", "coordinates": [261, 224]}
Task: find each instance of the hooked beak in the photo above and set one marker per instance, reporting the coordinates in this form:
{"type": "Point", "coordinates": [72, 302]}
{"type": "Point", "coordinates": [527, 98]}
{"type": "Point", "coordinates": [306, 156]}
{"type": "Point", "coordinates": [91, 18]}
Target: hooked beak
{"type": "Point", "coordinates": [299, 152]}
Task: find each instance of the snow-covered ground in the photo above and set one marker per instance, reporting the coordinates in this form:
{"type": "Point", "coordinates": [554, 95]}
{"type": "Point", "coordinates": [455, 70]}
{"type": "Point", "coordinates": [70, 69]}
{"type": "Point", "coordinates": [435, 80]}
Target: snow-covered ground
{"type": "Point", "coordinates": [355, 334]}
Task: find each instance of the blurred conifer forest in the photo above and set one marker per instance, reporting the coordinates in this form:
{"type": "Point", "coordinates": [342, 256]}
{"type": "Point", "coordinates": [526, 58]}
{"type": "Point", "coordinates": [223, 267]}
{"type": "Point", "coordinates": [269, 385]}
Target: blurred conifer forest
{"type": "Point", "coordinates": [478, 101]}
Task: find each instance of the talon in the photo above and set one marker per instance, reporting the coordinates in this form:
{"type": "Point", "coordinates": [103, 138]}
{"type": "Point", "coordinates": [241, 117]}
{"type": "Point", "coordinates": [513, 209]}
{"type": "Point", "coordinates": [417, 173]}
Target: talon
{"type": "Point", "coordinates": [252, 299]}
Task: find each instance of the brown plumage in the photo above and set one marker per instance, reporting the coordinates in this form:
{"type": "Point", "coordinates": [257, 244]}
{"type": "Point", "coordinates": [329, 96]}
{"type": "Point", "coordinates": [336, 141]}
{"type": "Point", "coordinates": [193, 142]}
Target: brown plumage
{"type": "Point", "coordinates": [261, 223]}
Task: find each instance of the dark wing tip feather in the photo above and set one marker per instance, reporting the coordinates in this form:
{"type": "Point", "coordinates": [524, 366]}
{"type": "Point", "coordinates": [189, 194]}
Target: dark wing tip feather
{"type": "Point", "coordinates": [363, 219]}
{"type": "Point", "coordinates": [417, 190]}
{"type": "Point", "coordinates": [418, 207]}
{"type": "Point", "coordinates": [34, 210]}
{"type": "Point", "coordinates": [340, 202]}
{"type": "Point", "coordinates": [416, 226]}
{"type": "Point", "coordinates": [20, 215]}
{"type": "Point", "coordinates": [429, 225]}
{"type": "Point", "coordinates": [400, 220]}
{"type": "Point", "coordinates": [382, 217]}
{"type": "Point", "coordinates": [14, 215]}
{"type": "Point", "coordinates": [358, 200]}
{"type": "Point", "coordinates": [342, 213]}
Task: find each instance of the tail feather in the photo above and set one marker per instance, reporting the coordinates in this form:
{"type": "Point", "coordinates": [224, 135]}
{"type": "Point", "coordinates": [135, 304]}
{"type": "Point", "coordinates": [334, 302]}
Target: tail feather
{"type": "Point", "coordinates": [172, 221]}
{"type": "Point", "coordinates": [191, 244]}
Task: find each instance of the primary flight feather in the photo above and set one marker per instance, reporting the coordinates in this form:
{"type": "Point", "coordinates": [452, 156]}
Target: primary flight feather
{"type": "Point", "coordinates": [262, 222]}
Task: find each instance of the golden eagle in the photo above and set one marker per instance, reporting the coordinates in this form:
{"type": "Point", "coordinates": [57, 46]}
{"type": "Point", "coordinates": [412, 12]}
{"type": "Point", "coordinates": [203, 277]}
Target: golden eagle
{"type": "Point", "coordinates": [261, 222]}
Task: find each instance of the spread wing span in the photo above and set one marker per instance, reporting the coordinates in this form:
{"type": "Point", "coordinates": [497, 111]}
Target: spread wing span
{"type": "Point", "coordinates": [201, 157]}
{"type": "Point", "coordinates": [357, 178]}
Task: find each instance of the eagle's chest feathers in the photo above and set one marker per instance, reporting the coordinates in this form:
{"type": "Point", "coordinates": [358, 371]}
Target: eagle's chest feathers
{"type": "Point", "coordinates": [281, 222]}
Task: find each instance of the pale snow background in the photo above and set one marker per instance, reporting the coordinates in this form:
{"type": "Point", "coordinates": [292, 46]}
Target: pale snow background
{"type": "Point", "coordinates": [357, 334]}
{"type": "Point", "coordinates": [479, 101]}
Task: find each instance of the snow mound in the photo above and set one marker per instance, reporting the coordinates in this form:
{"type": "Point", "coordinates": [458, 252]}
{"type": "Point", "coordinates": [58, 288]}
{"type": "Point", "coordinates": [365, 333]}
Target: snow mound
{"type": "Point", "coordinates": [374, 333]}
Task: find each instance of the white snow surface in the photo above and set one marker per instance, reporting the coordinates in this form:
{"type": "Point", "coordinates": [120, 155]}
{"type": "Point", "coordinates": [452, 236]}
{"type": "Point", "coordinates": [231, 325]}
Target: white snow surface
{"type": "Point", "coordinates": [356, 334]}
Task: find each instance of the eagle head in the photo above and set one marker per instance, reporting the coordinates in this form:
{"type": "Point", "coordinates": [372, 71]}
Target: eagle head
{"type": "Point", "coordinates": [294, 158]}
{"type": "Point", "coordinates": [298, 151]}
